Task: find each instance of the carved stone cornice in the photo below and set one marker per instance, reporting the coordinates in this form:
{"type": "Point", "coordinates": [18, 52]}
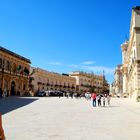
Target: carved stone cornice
{"type": "Point", "coordinates": [124, 46]}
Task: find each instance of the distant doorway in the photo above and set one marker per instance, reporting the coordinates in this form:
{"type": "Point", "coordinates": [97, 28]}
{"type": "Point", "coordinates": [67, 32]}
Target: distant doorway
{"type": "Point", "coordinates": [13, 85]}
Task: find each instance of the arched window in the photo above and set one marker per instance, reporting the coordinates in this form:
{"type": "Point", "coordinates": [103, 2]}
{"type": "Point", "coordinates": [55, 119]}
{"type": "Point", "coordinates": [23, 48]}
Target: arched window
{"type": "Point", "coordinates": [26, 71]}
{"type": "Point", "coordinates": [7, 65]}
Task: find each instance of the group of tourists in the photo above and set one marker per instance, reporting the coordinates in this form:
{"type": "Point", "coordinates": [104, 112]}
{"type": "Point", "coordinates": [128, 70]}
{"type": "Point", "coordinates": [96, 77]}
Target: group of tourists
{"type": "Point", "coordinates": [100, 99]}
{"type": "Point", "coordinates": [97, 99]}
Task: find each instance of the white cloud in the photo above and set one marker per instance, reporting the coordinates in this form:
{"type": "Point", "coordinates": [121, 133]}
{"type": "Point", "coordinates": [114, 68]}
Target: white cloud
{"type": "Point", "coordinates": [73, 66]}
{"type": "Point", "coordinates": [64, 65]}
{"type": "Point", "coordinates": [88, 62]}
{"type": "Point", "coordinates": [55, 63]}
{"type": "Point", "coordinates": [100, 69]}
{"type": "Point", "coordinates": [86, 67]}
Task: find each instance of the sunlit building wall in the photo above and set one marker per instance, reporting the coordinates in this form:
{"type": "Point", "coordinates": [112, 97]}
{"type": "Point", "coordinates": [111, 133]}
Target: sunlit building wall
{"type": "Point", "coordinates": [46, 80]}
{"type": "Point", "coordinates": [14, 73]}
{"type": "Point", "coordinates": [131, 57]}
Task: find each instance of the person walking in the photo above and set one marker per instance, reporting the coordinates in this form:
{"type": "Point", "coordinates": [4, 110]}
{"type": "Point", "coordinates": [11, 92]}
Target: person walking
{"type": "Point", "coordinates": [89, 96]}
{"type": "Point", "coordinates": [94, 99]}
{"type": "Point", "coordinates": [99, 100]}
{"type": "Point", "coordinates": [108, 100]}
{"type": "Point", "coordinates": [67, 94]}
{"type": "Point", "coordinates": [5, 93]}
{"type": "Point", "coordinates": [103, 100]}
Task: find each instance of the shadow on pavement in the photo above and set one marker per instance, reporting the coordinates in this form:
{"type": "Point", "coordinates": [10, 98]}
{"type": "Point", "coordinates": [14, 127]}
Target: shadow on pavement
{"type": "Point", "coordinates": [13, 102]}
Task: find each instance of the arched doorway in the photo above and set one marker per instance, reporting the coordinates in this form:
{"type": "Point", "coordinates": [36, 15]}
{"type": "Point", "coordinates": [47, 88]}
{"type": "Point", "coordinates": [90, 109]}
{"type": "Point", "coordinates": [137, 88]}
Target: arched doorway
{"type": "Point", "coordinates": [13, 87]}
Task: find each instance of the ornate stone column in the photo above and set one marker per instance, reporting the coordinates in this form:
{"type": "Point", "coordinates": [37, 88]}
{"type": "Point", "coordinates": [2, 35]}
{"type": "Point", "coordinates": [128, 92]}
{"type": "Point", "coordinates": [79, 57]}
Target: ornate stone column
{"type": "Point", "coordinates": [125, 80]}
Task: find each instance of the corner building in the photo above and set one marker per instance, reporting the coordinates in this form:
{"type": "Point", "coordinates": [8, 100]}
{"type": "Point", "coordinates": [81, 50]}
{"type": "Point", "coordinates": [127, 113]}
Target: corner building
{"type": "Point", "coordinates": [14, 73]}
{"type": "Point", "coordinates": [89, 82]}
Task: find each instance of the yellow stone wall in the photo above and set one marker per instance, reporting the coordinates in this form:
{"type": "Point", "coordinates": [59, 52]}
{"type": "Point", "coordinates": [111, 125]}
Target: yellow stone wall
{"type": "Point", "coordinates": [131, 58]}
{"type": "Point", "coordinates": [12, 79]}
{"type": "Point", "coordinates": [45, 80]}
{"type": "Point", "coordinates": [86, 81]}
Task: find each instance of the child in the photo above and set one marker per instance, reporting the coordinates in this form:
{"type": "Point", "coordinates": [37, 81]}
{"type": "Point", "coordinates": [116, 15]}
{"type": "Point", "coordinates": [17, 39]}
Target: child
{"type": "Point", "coordinates": [103, 99]}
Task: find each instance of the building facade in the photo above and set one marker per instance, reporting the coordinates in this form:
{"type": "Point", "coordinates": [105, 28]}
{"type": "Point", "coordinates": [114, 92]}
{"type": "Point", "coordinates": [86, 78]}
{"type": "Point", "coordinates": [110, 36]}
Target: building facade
{"type": "Point", "coordinates": [45, 80]}
{"type": "Point", "coordinates": [83, 81]}
{"type": "Point", "coordinates": [131, 58]}
{"type": "Point", "coordinates": [14, 73]}
{"type": "Point", "coordinates": [89, 82]}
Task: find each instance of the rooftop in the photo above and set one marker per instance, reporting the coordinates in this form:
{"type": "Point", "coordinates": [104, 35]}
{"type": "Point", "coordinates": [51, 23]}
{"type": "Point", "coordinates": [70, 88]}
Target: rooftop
{"type": "Point", "coordinates": [14, 54]}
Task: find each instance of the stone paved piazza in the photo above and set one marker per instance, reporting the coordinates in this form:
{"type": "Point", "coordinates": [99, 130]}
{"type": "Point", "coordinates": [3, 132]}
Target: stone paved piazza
{"type": "Point", "coordinates": [28, 118]}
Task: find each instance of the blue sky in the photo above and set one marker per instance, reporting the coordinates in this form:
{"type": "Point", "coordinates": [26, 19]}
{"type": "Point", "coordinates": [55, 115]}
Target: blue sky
{"type": "Point", "coordinates": [67, 35]}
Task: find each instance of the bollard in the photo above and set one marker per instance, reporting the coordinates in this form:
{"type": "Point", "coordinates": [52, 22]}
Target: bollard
{"type": "Point", "coordinates": [2, 136]}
